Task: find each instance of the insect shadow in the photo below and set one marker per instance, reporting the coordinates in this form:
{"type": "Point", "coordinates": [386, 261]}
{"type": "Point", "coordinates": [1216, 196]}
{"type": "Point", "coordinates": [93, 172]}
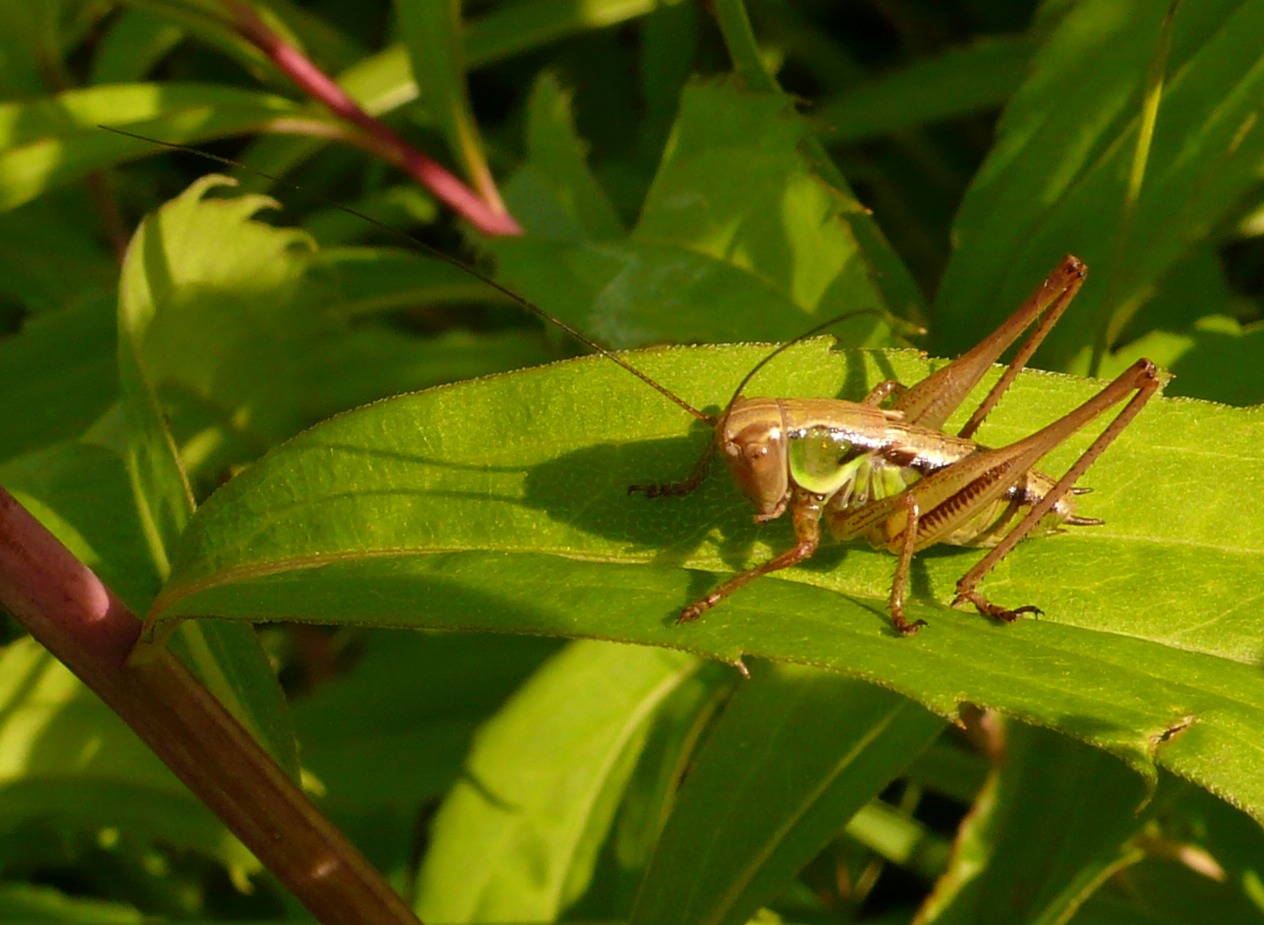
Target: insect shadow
{"type": "Point", "coordinates": [588, 489]}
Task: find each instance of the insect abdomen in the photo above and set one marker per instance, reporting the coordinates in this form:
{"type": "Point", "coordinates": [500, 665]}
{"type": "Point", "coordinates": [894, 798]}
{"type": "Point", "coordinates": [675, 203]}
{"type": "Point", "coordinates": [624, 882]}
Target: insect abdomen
{"type": "Point", "coordinates": [990, 524]}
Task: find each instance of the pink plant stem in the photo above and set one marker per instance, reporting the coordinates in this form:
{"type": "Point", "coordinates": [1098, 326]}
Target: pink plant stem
{"type": "Point", "coordinates": [491, 220]}
{"type": "Point", "coordinates": [67, 608]}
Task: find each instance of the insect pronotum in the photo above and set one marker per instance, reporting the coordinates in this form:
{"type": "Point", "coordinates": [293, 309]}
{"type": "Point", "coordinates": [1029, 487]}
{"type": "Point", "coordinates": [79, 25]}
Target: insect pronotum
{"type": "Point", "coordinates": [882, 468]}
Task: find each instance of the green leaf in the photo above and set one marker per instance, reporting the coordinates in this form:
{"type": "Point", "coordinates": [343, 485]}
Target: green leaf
{"type": "Point", "coordinates": [555, 194]}
{"type": "Point", "coordinates": [368, 753]}
{"type": "Point", "coordinates": [82, 494]}
{"type": "Point", "coordinates": [517, 837]}
{"type": "Point", "coordinates": [1218, 358]}
{"type": "Point", "coordinates": [1056, 180]}
{"type": "Point", "coordinates": [137, 41]}
{"type": "Point", "coordinates": [501, 505]}
{"type": "Point", "coordinates": [957, 83]}
{"type": "Point", "coordinates": [152, 321]}
{"type": "Point", "coordinates": [49, 141]}
{"type": "Point", "coordinates": [1044, 834]}
{"type": "Point", "coordinates": [217, 307]}
{"type": "Point", "coordinates": [56, 377]}
{"type": "Point", "coordinates": [795, 753]}
{"type": "Point", "coordinates": [431, 34]}
{"type": "Point", "coordinates": [704, 240]}
{"type": "Point", "coordinates": [68, 758]}
{"type": "Point", "coordinates": [1203, 863]}
{"type": "Point", "coordinates": [885, 268]}
{"type": "Point", "coordinates": [24, 904]}
{"type": "Point", "coordinates": [52, 260]}
{"type": "Point", "coordinates": [521, 25]}
{"type": "Point", "coordinates": [684, 719]}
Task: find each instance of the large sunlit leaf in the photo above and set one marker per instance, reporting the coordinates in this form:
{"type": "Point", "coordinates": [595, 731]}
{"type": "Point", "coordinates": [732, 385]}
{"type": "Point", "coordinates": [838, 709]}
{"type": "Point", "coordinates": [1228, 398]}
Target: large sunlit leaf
{"type": "Point", "coordinates": [501, 505]}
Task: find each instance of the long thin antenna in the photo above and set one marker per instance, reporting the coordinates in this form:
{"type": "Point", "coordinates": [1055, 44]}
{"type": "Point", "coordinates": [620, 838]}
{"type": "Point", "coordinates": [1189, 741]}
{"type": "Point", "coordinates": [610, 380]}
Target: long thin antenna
{"type": "Point", "coordinates": [788, 344]}
{"type": "Point", "coordinates": [435, 252]}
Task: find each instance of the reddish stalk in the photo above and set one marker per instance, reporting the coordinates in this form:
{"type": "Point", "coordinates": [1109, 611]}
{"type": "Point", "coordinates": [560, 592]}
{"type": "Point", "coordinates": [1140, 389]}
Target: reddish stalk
{"type": "Point", "coordinates": [489, 218]}
{"type": "Point", "coordinates": [67, 608]}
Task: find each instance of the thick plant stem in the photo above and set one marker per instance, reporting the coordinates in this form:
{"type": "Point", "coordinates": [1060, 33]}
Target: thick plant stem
{"type": "Point", "coordinates": [67, 608]}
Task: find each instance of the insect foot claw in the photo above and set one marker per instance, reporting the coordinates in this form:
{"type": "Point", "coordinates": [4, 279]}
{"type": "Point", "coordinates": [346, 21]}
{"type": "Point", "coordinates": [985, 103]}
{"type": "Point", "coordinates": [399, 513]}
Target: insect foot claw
{"type": "Point", "coordinates": [906, 628]}
{"type": "Point", "coordinates": [995, 611]}
{"type": "Point", "coordinates": [698, 608]}
{"type": "Point", "coordinates": [1009, 616]}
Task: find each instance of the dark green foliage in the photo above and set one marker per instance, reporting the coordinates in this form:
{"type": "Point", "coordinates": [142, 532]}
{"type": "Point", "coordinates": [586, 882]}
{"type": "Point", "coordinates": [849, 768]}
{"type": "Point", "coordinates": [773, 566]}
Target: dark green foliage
{"type": "Point", "coordinates": [225, 423]}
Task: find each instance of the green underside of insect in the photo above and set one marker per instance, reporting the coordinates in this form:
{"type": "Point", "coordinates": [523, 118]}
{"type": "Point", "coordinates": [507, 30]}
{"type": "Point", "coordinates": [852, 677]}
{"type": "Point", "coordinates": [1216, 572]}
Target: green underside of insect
{"type": "Point", "coordinates": [882, 469]}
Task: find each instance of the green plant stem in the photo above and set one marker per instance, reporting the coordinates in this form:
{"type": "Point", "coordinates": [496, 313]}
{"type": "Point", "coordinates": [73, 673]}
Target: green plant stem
{"type": "Point", "coordinates": [67, 608]}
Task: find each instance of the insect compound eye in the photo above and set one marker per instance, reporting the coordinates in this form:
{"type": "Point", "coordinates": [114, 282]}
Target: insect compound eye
{"type": "Point", "coordinates": [756, 457]}
{"type": "Point", "coordinates": [758, 450]}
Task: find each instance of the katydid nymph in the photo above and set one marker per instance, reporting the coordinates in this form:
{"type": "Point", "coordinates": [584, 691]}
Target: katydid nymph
{"type": "Point", "coordinates": [890, 475]}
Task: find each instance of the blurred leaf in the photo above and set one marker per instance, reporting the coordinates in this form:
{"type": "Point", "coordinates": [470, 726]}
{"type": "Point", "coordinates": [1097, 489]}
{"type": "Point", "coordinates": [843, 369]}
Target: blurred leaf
{"type": "Point", "coordinates": [24, 904]}
{"type": "Point", "coordinates": [1217, 359]}
{"type": "Point", "coordinates": [884, 268]}
{"type": "Point", "coordinates": [152, 316]}
{"type": "Point", "coordinates": [82, 494]}
{"type": "Point", "coordinates": [137, 41]}
{"type": "Point", "coordinates": [516, 839]}
{"type": "Point", "coordinates": [384, 82]}
{"type": "Point", "coordinates": [431, 33]}
{"type": "Point", "coordinates": [1055, 181]}
{"type": "Point", "coordinates": [56, 376]}
{"type": "Point", "coordinates": [1203, 863]}
{"type": "Point", "coordinates": [959, 82]}
{"type": "Point", "coordinates": [51, 258]}
{"type": "Point", "coordinates": [672, 37]}
{"type": "Point", "coordinates": [684, 718]}
{"type": "Point", "coordinates": [554, 194]}
{"type": "Point", "coordinates": [395, 732]}
{"type": "Point", "coordinates": [53, 140]}
{"type": "Point", "coordinates": [368, 280]}
{"type": "Point", "coordinates": [517, 26]}
{"type": "Point", "coordinates": [67, 757]}
{"type": "Point", "coordinates": [705, 262]}
{"type": "Point", "coordinates": [1056, 820]}
{"type": "Point", "coordinates": [218, 310]}
{"type": "Point", "coordinates": [258, 337]}
{"type": "Point", "coordinates": [796, 753]}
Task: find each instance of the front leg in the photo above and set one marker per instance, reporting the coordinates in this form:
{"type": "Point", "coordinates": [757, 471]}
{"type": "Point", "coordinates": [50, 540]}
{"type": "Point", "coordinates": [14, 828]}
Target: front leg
{"type": "Point", "coordinates": [805, 508]}
{"type": "Point", "coordinates": [682, 488]}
